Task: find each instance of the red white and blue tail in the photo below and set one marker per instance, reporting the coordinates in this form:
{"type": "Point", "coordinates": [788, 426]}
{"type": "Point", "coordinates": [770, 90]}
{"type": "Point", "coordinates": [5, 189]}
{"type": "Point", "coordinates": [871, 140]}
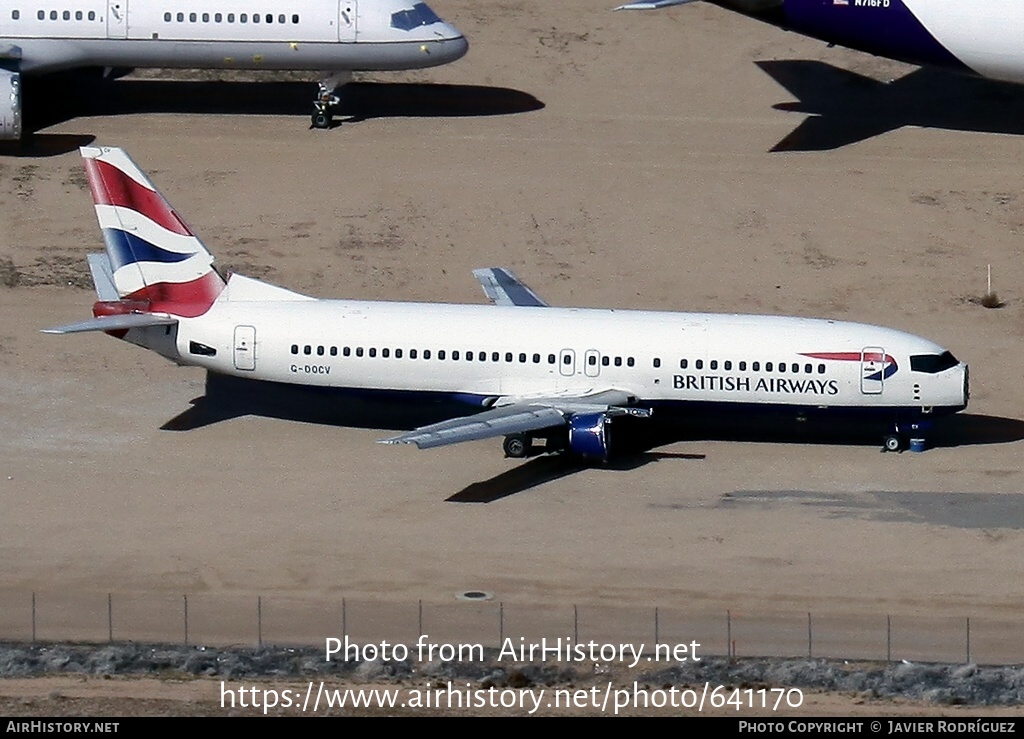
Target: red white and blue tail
{"type": "Point", "coordinates": [155, 258]}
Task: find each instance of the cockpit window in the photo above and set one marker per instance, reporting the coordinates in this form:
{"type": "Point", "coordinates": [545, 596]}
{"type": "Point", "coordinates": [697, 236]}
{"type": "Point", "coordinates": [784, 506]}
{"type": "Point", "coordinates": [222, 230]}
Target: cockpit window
{"type": "Point", "coordinates": [933, 363]}
{"type": "Point", "coordinates": [418, 15]}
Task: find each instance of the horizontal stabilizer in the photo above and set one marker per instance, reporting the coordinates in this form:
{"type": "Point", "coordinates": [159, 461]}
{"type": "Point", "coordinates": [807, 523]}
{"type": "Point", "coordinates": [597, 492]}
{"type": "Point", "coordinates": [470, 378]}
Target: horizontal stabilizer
{"type": "Point", "coordinates": [115, 323]}
{"type": "Point", "coordinates": [504, 288]}
{"type": "Point", "coordinates": [103, 277]}
{"type": "Point", "coordinates": [495, 422]}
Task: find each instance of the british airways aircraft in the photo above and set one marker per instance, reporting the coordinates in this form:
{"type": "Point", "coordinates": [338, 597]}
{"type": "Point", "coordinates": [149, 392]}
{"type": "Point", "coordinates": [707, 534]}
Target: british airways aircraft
{"type": "Point", "coordinates": [522, 370]}
{"type": "Point", "coordinates": [981, 37]}
{"type": "Point", "coordinates": [334, 37]}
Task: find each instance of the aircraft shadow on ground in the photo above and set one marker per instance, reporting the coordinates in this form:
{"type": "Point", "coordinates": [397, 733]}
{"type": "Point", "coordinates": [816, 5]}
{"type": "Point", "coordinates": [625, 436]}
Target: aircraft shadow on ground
{"type": "Point", "coordinates": [360, 101]}
{"type": "Point", "coordinates": [634, 441]}
{"type": "Point", "coordinates": [845, 107]}
{"type": "Point", "coordinates": [44, 145]}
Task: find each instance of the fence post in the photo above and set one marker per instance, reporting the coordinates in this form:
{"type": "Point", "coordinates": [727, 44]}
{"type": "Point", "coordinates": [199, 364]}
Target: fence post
{"type": "Point", "coordinates": [110, 618]}
{"type": "Point", "coordinates": [344, 623]}
{"type": "Point", "coordinates": [501, 624]}
{"type": "Point", "coordinates": [33, 617]}
{"type": "Point", "coordinates": [259, 620]}
{"type": "Point", "coordinates": [656, 642]}
{"type": "Point", "coordinates": [420, 617]}
{"type": "Point", "coordinates": [728, 635]}
{"type": "Point", "coordinates": [888, 638]}
{"type": "Point", "coordinates": [184, 598]}
{"type": "Point", "coordinates": [575, 624]}
{"type": "Point", "coordinates": [810, 642]}
{"type": "Point", "coordinates": [968, 640]}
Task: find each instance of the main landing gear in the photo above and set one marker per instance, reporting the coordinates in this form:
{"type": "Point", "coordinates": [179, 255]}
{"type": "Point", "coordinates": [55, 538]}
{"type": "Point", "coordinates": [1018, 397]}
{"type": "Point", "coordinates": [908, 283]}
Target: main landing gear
{"type": "Point", "coordinates": [326, 101]}
{"type": "Point", "coordinates": [517, 446]}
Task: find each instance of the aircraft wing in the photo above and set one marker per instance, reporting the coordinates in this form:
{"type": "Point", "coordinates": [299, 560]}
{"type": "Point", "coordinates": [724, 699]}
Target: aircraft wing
{"type": "Point", "coordinates": [652, 4]}
{"type": "Point", "coordinates": [115, 323]}
{"type": "Point", "coordinates": [504, 288]}
{"type": "Point", "coordinates": [517, 416]}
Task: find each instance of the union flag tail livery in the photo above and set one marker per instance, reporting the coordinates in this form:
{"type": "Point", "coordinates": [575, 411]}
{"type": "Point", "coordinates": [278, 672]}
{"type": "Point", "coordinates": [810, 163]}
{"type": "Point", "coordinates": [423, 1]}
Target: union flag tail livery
{"type": "Point", "coordinates": [519, 369]}
{"type": "Point", "coordinates": [155, 259]}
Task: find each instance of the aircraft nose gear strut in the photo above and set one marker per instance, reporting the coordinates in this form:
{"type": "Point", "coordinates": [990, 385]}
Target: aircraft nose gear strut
{"type": "Point", "coordinates": [326, 101]}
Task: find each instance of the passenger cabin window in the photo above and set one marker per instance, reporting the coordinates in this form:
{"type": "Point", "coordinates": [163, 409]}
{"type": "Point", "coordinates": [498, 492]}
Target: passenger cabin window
{"type": "Point", "coordinates": [15, 14]}
{"type": "Point", "coordinates": [933, 363]}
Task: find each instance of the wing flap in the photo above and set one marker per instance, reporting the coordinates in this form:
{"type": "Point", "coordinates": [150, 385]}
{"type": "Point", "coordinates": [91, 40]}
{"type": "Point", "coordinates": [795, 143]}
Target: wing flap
{"type": "Point", "coordinates": [495, 422]}
{"type": "Point", "coordinates": [115, 323]}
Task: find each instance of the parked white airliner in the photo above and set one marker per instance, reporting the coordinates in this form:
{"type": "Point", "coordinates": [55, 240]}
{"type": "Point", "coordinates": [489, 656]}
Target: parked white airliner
{"type": "Point", "coordinates": [524, 370]}
{"type": "Point", "coordinates": [982, 37]}
{"type": "Point", "coordinates": [334, 37]}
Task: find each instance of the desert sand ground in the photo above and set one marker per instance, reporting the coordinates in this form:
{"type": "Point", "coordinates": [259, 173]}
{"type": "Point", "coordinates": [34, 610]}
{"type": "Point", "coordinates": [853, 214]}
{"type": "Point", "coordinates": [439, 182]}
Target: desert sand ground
{"type": "Point", "coordinates": [610, 159]}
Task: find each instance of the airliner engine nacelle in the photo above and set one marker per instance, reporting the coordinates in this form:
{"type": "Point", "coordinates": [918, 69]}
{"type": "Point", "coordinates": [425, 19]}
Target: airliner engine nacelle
{"type": "Point", "coordinates": [10, 105]}
{"type": "Point", "coordinates": [589, 436]}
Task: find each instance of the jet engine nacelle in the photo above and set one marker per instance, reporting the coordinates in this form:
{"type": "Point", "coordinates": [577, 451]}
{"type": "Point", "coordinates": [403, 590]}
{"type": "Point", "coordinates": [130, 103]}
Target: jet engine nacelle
{"type": "Point", "coordinates": [10, 105]}
{"type": "Point", "coordinates": [589, 436]}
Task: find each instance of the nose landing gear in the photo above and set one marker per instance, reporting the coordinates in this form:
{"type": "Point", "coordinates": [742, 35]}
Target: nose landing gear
{"type": "Point", "coordinates": [327, 100]}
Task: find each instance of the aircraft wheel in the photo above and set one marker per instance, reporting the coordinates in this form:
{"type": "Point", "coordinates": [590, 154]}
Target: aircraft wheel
{"type": "Point", "coordinates": [322, 119]}
{"type": "Point", "coordinates": [516, 446]}
{"type": "Point", "coordinates": [892, 443]}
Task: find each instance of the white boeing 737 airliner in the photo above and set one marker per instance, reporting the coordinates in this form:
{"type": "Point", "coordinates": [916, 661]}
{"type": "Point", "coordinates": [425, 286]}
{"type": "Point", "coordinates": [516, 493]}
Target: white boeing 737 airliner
{"type": "Point", "coordinates": [522, 369]}
{"type": "Point", "coordinates": [981, 37]}
{"type": "Point", "coordinates": [334, 37]}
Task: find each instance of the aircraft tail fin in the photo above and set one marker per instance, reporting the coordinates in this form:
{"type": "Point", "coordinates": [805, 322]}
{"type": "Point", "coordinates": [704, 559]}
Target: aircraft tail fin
{"type": "Point", "coordinates": [153, 257]}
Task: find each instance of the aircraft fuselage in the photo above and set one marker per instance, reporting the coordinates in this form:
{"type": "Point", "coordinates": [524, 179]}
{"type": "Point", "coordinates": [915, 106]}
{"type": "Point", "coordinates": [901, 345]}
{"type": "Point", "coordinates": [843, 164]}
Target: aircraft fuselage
{"type": "Point", "coordinates": [479, 353]}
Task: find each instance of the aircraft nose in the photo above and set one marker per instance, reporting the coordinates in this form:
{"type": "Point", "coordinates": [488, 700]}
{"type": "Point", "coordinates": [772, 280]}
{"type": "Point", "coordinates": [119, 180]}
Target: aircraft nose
{"type": "Point", "coordinates": [452, 44]}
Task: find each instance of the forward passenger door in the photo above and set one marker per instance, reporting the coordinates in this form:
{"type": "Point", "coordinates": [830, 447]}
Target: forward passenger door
{"type": "Point", "coordinates": [117, 18]}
